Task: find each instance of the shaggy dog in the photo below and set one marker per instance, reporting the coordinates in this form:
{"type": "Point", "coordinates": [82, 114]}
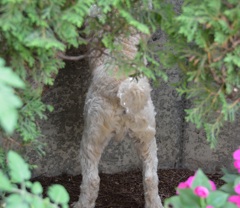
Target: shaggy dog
{"type": "Point", "coordinates": [116, 106]}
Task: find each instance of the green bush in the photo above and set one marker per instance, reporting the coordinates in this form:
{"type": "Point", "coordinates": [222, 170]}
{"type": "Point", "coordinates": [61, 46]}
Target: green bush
{"type": "Point", "coordinates": [34, 37]}
{"type": "Point", "coordinates": [32, 33]}
{"type": "Point", "coordinates": [204, 40]}
{"type": "Point", "coordinates": [17, 191]}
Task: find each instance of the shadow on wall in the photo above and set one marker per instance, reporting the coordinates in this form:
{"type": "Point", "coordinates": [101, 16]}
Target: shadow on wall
{"type": "Point", "coordinates": [62, 131]}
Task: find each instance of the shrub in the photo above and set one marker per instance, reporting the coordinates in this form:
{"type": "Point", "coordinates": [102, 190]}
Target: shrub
{"type": "Point", "coordinates": [32, 33]}
{"type": "Point", "coordinates": [204, 40]}
{"type": "Point", "coordinates": [16, 189]}
{"type": "Point", "coordinates": [35, 35]}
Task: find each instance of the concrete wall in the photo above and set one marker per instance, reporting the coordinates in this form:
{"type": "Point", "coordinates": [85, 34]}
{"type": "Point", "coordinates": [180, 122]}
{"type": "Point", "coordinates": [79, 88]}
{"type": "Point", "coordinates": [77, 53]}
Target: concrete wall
{"type": "Point", "coordinates": [197, 153]}
{"type": "Point", "coordinates": [180, 144]}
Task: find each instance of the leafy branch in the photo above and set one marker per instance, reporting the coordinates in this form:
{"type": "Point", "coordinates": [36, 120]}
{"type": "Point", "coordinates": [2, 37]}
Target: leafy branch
{"type": "Point", "coordinates": [16, 189]}
{"type": "Point", "coordinates": [208, 53]}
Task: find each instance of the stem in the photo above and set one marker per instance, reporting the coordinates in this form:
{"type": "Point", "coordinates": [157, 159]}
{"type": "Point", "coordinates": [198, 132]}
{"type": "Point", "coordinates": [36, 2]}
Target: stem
{"type": "Point", "coordinates": [202, 203]}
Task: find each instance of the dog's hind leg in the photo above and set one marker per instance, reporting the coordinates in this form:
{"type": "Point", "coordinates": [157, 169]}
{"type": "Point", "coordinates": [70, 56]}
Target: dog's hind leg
{"type": "Point", "coordinates": [147, 152]}
{"type": "Point", "coordinates": [143, 133]}
{"type": "Point", "coordinates": [96, 136]}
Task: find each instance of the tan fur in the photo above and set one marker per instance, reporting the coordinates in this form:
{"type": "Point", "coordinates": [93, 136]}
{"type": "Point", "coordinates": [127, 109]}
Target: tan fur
{"type": "Point", "coordinates": [114, 107]}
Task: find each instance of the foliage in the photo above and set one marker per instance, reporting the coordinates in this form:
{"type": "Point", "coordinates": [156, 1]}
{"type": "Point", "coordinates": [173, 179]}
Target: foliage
{"type": "Point", "coordinates": [9, 101]}
{"type": "Point", "coordinates": [2, 159]}
{"type": "Point", "coordinates": [34, 35]}
{"type": "Point", "coordinates": [17, 190]}
{"type": "Point", "coordinates": [199, 192]}
{"type": "Point", "coordinates": [31, 35]}
{"type": "Point", "coordinates": [205, 42]}
{"type": "Point", "coordinates": [110, 20]}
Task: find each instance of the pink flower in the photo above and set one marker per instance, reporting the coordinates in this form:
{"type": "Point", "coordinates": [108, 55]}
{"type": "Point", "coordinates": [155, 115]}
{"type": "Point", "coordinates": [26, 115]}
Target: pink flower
{"type": "Point", "coordinates": [182, 185]}
{"type": "Point", "coordinates": [209, 206]}
{"type": "Point", "coordinates": [237, 189]}
{"type": "Point", "coordinates": [235, 199]}
{"type": "Point", "coordinates": [201, 191]}
{"type": "Point", "coordinates": [237, 164]}
{"type": "Point", "coordinates": [186, 184]}
{"type": "Point", "coordinates": [189, 181]}
{"type": "Point", "coordinates": [212, 185]}
{"type": "Point", "coordinates": [236, 155]}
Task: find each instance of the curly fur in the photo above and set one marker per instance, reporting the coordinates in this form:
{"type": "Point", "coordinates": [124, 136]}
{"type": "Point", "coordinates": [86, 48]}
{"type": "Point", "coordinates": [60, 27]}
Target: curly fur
{"type": "Point", "coordinates": [116, 106]}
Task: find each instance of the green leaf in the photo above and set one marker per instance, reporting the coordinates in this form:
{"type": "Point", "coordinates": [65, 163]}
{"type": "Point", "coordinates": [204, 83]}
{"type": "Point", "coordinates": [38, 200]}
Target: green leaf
{"type": "Point", "coordinates": [36, 188]}
{"type": "Point", "coordinates": [9, 102]}
{"type": "Point", "coordinates": [28, 184]}
{"type": "Point", "coordinates": [38, 203]}
{"type": "Point", "coordinates": [8, 77]}
{"type": "Point", "coordinates": [201, 179]}
{"type": "Point", "coordinates": [8, 113]}
{"type": "Point", "coordinates": [220, 37]}
{"type": "Point", "coordinates": [214, 5]}
{"type": "Point", "coordinates": [229, 205]}
{"type": "Point", "coordinates": [141, 27]}
{"type": "Point", "coordinates": [50, 108]}
{"type": "Point", "coordinates": [173, 202]}
{"type": "Point", "coordinates": [18, 169]}
{"type": "Point", "coordinates": [47, 41]}
{"type": "Point", "coordinates": [16, 201]}
{"type": "Point", "coordinates": [58, 194]}
{"type": "Point", "coordinates": [217, 198]}
{"type": "Point", "coordinates": [228, 188]}
{"type": "Point", "coordinates": [229, 178]}
{"type": "Point", "coordinates": [188, 198]}
{"type": "Point", "coordinates": [5, 184]}
{"type": "Point", "coordinates": [237, 181]}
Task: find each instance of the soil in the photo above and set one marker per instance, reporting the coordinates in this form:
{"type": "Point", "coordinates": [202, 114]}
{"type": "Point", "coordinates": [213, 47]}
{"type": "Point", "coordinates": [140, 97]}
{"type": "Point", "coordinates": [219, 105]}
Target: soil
{"type": "Point", "coordinates": [124, 190]}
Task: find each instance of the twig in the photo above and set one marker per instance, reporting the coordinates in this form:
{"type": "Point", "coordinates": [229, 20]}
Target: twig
{"type": "Point", "coordinates": [71, 58]}
{"type": "Point", "coordinates": [80, 57]}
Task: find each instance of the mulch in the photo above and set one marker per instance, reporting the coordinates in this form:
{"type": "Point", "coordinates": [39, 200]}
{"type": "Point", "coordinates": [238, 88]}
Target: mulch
{"type": "Point", "coordinates": [124, 190]}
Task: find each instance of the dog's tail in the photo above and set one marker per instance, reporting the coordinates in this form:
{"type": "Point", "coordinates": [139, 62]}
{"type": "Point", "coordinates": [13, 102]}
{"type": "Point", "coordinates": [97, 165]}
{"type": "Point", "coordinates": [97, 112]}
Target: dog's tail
{"type": "Point", "coordinates": [134, 94]}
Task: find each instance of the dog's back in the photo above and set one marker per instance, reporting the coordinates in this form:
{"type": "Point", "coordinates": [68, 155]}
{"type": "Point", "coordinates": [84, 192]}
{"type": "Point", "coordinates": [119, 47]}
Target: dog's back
{"type": "Point", "coordinates": [109, 82]}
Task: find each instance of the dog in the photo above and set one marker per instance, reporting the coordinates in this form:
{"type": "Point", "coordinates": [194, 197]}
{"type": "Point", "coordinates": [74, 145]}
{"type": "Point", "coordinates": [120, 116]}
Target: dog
{"type": "Point", "coordinates": [117, 105]}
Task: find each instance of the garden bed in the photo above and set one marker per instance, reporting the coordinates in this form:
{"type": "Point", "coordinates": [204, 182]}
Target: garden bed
{"type": "Point", "coordinates": [124, 190]}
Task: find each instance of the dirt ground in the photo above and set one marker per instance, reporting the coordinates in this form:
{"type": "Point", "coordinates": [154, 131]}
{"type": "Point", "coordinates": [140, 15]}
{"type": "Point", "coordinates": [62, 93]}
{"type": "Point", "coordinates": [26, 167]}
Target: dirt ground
{"type": "Point", "coordinates": [124, 189]}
